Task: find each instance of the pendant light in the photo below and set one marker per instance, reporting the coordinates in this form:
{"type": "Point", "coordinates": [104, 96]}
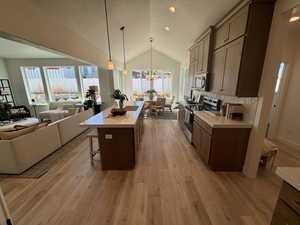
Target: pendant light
{"type": "Point", "coordinates": [151, 76]}
{"type": "Point", "coordinates": [125, 71]}
{"type": "Point", "coordinates": [110, 65]}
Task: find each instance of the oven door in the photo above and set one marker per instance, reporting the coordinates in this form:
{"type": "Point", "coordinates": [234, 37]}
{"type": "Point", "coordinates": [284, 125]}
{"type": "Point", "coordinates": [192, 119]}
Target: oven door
{"type": "Point", "coordinates": [189, 119]}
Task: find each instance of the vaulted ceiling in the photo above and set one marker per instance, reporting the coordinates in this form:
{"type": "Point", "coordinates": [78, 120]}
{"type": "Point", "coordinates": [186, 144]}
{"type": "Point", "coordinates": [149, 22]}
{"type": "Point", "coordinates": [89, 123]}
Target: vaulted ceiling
{"type": "Point", "coordinates": [142, 18]}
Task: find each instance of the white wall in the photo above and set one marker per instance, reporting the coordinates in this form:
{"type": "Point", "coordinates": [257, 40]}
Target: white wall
{"type": "Point", "coordinates": [267, 86]}
{"type": "Point", "coordinates": [160, 62]}
{"type": "Point", "coordinates": [3, 71]}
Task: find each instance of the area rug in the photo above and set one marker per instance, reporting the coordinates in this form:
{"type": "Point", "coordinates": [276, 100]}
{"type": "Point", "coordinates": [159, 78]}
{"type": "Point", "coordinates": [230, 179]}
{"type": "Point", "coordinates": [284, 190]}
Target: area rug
{"type": "Point", "coordinates": [42, 167]}
{"type": "Point", "coordinates": [165, 116]}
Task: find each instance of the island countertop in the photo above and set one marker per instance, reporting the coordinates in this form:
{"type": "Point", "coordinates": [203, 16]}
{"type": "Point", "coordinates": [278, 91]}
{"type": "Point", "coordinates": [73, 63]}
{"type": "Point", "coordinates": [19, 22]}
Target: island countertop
{"type": "Point", "coordinates": [105, 120]}
{"type": "Point", "coordinates": [220, 121]}
{"type": "Point", "coordinates": [290, 175]}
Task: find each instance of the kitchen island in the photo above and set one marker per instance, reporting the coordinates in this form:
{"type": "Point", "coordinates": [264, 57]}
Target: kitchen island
{"type": "Point", "coordinates": [119, 136]}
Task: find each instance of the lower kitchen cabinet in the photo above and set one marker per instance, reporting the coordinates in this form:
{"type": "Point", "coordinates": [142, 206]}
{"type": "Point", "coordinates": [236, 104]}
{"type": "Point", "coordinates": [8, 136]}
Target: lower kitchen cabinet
{"type": "Point", "coordinates": [222, 149]}
{"type": "Point", "coordinates": [287, 210]}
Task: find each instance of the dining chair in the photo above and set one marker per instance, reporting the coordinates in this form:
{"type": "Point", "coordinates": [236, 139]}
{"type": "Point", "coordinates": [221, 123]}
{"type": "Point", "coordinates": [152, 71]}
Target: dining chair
{"type": "Point", "coordinates": [170, 104]}
{"type": "Point", "coordinates": [160, 105]}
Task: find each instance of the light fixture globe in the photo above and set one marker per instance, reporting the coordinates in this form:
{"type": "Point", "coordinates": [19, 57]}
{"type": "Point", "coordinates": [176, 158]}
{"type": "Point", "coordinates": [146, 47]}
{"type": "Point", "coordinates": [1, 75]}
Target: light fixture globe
{"type": "Point", "coordinates": [125, 72]}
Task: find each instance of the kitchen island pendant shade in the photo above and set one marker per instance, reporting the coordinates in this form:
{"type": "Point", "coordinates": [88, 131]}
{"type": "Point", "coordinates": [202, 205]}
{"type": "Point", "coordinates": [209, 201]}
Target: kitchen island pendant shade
{"type": "Point", "coordinates": [125, 72]}
{"type": "Point", "coordinates": [110, 64]}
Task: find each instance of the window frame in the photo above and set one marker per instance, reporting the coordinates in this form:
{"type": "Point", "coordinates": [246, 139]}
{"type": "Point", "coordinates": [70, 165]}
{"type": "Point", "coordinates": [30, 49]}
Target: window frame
{"type": "Point", "coordinates": [27, 89]}
{"type": "Point", "coordinates": [47, 86]}
{"type": "Point", "coordinates": [48, 82]}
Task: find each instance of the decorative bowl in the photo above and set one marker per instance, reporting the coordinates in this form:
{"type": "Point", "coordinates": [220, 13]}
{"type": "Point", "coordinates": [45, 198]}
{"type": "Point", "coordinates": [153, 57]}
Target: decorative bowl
{"type": "Point", "coordinates": [118, 112]}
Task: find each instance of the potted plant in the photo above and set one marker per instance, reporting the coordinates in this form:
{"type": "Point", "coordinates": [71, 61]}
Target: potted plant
{"type": "Point", "coordinates": [151, 93]}
{"type": "Point", "coordinates": [120, 97]}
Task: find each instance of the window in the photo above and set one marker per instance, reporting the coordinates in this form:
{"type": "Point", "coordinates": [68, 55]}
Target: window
{"type": "Point", "coordinates": [63, 85]}
{"type": "Point", "coordinates": [140, 84]}
{"type": "Point", "coordinates": [34, 85]}
{"type": "Point", "coordinates": [162, 84]}
{"type": "Point", "coordinates": [279, 76]}
{"type": "Point", "coordinates": [90, 78]}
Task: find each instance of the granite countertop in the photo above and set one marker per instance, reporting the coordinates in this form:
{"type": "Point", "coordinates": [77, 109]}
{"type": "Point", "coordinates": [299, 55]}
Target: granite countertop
{"type": "Point", "coordinates": [105, 120]}
{"type": "Point", "coordinates": [290, 175]}
{"type": "Point", "coordinates": [220, 121]}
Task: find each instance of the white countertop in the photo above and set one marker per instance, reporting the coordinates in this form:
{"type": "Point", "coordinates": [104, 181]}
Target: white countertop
{"type": "Point", "coordinates": [220, 121]}
{"type": "Point", "coordinates": [105, 120]}
{"type": "Point", "coordinates": [290, 175]}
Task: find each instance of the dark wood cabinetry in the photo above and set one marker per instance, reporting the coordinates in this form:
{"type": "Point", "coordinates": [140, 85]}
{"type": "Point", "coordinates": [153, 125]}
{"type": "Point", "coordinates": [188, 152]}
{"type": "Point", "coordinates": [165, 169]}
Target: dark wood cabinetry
{"type": "Point", "coordinates": [222, 149]}
{"type": "Point", "coordinates": [200, 56]}
{"type": "Point", "coordinates": [287, 210]}
{"type": "Point", "coordinates": [239, 50]}
{"type": "Point", "coordinates": [119, 146]}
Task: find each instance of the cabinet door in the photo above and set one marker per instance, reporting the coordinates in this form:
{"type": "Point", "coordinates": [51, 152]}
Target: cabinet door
{"type": "Point", "coordinates": [238, 24]}
{"type": "Point", "coordinates": [200, 58]}
{"type": "Point", "coordinates": [196, 136]}
{"type": "Point", "coordinates": [232, 66]}
{"type": "Point", "coordinates": [284, 215]}
{"type": "Point", "coordinates": [191, 74]}
{"type": "Point", "coordinates": [222, 35]}
{"type": "Point", "coordinates": [218, 66]}
{"type": "Point", "coordinates": [206, 45]}
{"type": "Point", "coordinates": [205, 140]}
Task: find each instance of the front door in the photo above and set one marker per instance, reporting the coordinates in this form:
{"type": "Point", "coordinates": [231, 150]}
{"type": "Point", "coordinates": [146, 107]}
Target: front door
{"type": "Point", "coordinates": [278, 94]}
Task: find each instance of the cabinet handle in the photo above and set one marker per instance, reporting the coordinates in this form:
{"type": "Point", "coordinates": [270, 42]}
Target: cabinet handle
{"type": "Point", "coordinates": [297, 203]}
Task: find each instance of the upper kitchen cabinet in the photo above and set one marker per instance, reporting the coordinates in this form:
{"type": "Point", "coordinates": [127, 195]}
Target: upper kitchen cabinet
{"type": "Point", "coordinates": [200, 56]}
{"type": "Point", "coordinates": [239, 49]}
{"type": "Point", "coordinates": [232, 29]}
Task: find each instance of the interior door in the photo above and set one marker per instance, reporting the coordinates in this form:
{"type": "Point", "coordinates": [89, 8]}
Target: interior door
{"type": "Point", "coordinates": [278, 95]}
{"type": "Point", "coordinates": [216, 81]}
{"type": "Point", "coordinates": [232, 66]}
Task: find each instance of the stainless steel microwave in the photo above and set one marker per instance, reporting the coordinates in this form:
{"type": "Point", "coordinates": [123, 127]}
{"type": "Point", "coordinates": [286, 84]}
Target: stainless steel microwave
{"type": "Point", "coordinates": [201, 81]}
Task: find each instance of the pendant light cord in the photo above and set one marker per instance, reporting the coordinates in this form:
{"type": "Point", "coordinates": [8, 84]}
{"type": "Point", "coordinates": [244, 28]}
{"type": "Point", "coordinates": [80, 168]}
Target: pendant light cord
{"type": "Point", "coordinates": [151, 69]}
{"type": "Point", "coordinates": [107, 30]}
{"type": "Point", "coordinates": [123, 30]}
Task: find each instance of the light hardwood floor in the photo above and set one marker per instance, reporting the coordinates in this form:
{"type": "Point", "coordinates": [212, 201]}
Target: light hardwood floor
{"type": "Point", "coordinates": [170, 186]}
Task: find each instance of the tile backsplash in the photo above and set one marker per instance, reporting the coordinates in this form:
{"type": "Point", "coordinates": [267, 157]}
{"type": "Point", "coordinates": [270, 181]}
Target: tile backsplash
{"type": "Point", "coordinates": [250, 104]}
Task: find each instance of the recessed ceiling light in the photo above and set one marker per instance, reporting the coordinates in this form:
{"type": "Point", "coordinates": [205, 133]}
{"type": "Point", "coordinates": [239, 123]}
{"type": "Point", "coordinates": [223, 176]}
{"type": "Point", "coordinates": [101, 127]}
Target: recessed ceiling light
{"type": "Point", "coordinates": [167, 28]}
{"type": "Point", "coordinates": [172, 9]}
{"type": "Point", "coordinates": [294, 18]}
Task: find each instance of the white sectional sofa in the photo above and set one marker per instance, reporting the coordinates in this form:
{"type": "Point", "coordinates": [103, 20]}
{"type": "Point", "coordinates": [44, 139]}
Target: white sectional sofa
{"type": "Point", "coordinates": [21, 153]}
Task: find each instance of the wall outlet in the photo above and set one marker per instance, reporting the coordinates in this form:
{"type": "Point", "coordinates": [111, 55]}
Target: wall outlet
{"type": "Point", "coordinates": [108, 136]}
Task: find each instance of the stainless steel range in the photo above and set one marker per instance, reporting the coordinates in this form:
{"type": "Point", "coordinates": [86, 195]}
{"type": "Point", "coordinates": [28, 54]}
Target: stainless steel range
{"type": "Point", "coordinates": [205, 103]}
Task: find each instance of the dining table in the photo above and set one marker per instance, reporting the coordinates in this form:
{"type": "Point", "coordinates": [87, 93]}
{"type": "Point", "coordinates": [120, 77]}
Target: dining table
{"type": "Point", "coordinates": [10, 125]}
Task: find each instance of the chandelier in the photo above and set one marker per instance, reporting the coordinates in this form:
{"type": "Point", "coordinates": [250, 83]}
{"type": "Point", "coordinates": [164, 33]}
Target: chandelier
{"type": "Point", "coordinates": [152, 74]}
